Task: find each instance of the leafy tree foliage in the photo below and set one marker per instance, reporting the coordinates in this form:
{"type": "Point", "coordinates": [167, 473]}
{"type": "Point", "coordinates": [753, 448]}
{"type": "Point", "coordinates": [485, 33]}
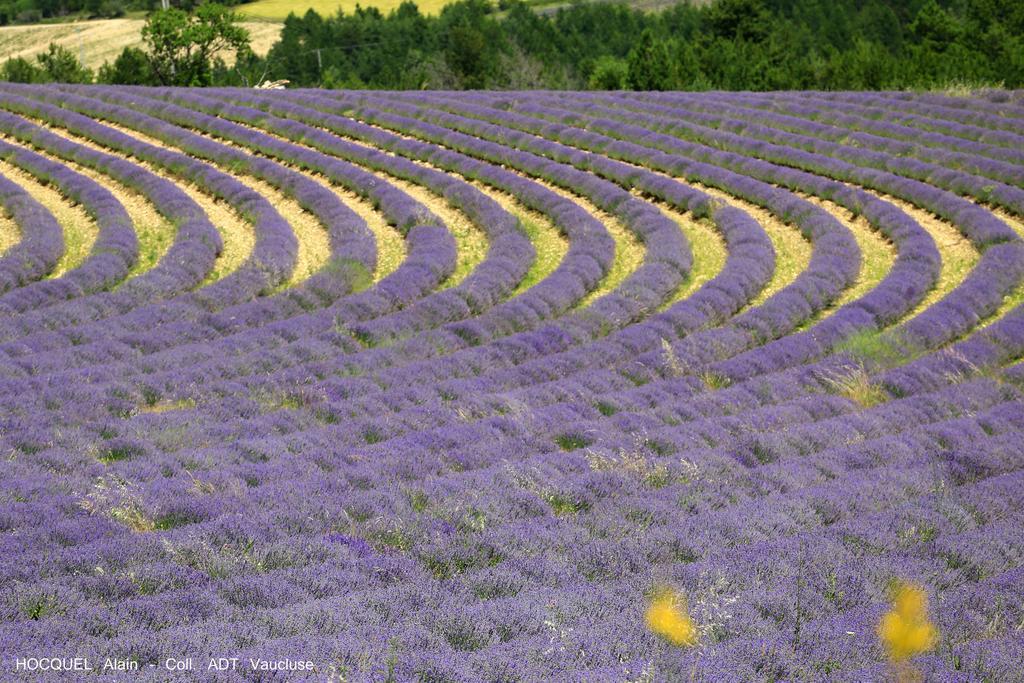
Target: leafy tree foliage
{"type": "Point", "coordinates": [182, 45]}
{"type": "Point", "coordinates": [57, 64]}
{"type": "Point", "coordinates": [650, 66]}
{"type": "Point", "coordinates": [60, 65]}
{"type": "Point", "coordinates": [130, 68]}
{"type": "Point", "coordinates": [727, 44]}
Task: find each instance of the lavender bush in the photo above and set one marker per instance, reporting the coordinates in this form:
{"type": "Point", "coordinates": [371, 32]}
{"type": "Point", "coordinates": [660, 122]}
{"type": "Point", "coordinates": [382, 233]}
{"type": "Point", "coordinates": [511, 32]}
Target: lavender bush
{"type": "Point", "coordinates": [653, 475]}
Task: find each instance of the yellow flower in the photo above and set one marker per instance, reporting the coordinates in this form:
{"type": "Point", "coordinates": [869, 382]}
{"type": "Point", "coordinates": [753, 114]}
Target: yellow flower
{"type": "Point", "coordinates": [668, 617]}
{"type": "Point", "coordinates": [905, 629]}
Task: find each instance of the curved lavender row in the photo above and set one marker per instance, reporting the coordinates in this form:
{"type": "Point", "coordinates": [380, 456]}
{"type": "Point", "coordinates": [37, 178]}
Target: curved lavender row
{"type": "Point", "coordinates": [211, 415]}
{"type": "Point", "coordinates": [188, 259]}
{"type": "Point", "coordinates": [973, 125]}
{"type": "Point", "coordinates": [502, 547]}
{"type": "Point", "coordinates": [807, 114]}
{"type": "Point", "coordinates": [1003, 104]}
{"type": "Point", "coordinates": [567, 418]}
{"type": "Point", "coordinates": [41, 243]}
{"type": "Point", "coordinates": [927, 119]}
{"type": "Point", "coordinates": [349, 236]}
{"type": "Point", "coordinates": [678, 127]}
{"type": "Point", "coordinates": [576, 412]}
{"type": "Point", "coordinates": [1000, 270]}
{"type": "Point", "coordinates": [1007, 331]}
{"type": "Point", "coordinates": [1000, 343]}
{"type": "Point", "coordinates": [658, 276]}
{"type": "Point", "coordinates": [912, 274]}
{"type": "Point", "coordinates": [509, 252]}
{"type": "Point", "coordinates": [273, 252]}
{"type": "Point", "coordinates": [748, 265]}
{"type": "Point", "coordinates": [834, 261]}
{"type": "Point", "coordinates": [563, 202]}
{"type": "Point", "coordinates": [346, 232]}
{"type": "Point", "coordinates": [112, 255]}
{"type": "Point", "coordinates": [847, 141]}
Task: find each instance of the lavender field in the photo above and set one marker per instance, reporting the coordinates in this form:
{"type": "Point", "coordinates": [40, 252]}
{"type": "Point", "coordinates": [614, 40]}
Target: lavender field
{"type": "Point", "coordinates": [501, 386]}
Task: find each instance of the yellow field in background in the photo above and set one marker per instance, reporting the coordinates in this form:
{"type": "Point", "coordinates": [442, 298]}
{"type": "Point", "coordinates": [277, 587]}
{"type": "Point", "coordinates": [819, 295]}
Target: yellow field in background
{"type": "Point", "coordinates": [278, 10]}
{"type": "Point", "coordinates": [95, 42]}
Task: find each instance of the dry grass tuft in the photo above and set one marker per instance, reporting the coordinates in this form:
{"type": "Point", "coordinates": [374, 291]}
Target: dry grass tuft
{"type": "Point", "coordinates": [856, 384]}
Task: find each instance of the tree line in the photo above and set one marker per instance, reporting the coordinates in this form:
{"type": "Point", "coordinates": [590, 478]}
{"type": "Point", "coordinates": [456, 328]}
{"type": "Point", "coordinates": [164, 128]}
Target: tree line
{"type": "Point", "coordinates": [728, 44]}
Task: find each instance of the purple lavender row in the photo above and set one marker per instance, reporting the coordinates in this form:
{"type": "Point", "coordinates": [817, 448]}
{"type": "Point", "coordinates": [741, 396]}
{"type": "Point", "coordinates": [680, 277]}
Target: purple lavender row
{"type": "Point", "coordinates": [657, 277]}
{"type": "Point", "coordinates": [400, 210]}
{"type": "Point", "coordinates": [317, 288]}
{"type": "Point", "coordinates": [247, 529]}
{"type": "Point", "coordinates": [188, 259]}
{"type": "Point", "coordinates": [509, 252]}
{"type": "Point", "coordinates": [914, 271]}
{"type": "Point", "coordinates": [112, 255]}
{"type": "Point", "coordinates": [911, 405]}
{"type": "Point", "coordinates": [996, 275]}
{"type": "Point", "coordinates": [275, 246]}
{"type": "Point", "coordinates": [41, 242]}
{"type": "Point", "coordinates": [584, 409]}
{"type": "Point", "coordinates": [352, 247]}
{"type": "Point", "coordinates": [1004, 104]}
{"type": "Point", "coordinates": [458, 555]}
{"type": "Point", "coordinates": [833, 264]}
{"type": "Point", "coordinates": [845, 139]}
{"type": "Point", "coordinates": [811, 111]}
{"type": "Point", "coordinates": [677, 126]}
{"type": "Point", "coordinates": [905, 115]}
{"type": "Point", "coordinates": [973, 123]}
{"type": "Point", "coordinates": [609, 395]}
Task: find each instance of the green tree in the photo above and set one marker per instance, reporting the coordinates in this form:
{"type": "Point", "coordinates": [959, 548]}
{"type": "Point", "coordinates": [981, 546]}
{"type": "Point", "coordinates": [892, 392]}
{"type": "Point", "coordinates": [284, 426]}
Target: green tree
{"type": "Point", "coordinates": [472, 42]}
{"type": "Point", "coordinates": [130, 68]}
{"type": "Point", "coordinates": [610, 73]}
{"type": "Point", "coordinates": [650, 64]}
{"type": "Point", "coordinates": [739, 19]}
{"type": "Point", "coordinates": [182, 46]}
{"type": "Point", "coordinates": [60, 65]}
{"type": "Point", "coordinates": [20, 70]}
{"type": "Point", "coordinates": [687, 69]}
{"type": "Point", "coordinates": [935, 27]}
